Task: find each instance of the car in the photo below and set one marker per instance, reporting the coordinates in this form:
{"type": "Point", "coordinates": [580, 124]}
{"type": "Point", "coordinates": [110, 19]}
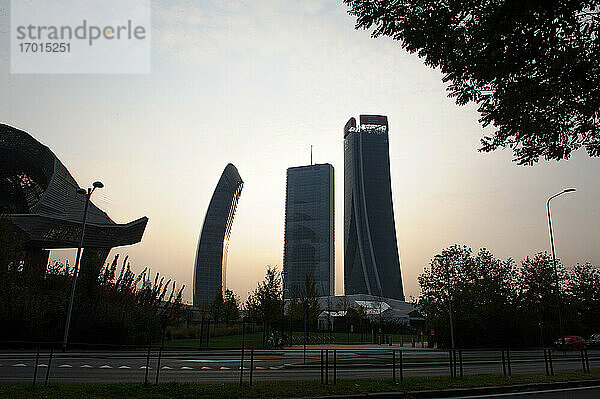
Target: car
{"type": "Point", "coordinates": [572, 342]}
{"type": "Point", "coordinates": [594, 341]}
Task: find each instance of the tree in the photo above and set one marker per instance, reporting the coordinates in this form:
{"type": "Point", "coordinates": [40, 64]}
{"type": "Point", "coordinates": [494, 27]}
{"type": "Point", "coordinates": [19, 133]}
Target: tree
{"type": "Point", "coordinates": [536, 310]}
{"type": "Point", "coordinates": [265, 303]}
{"type": "Point", "coordinates": [216, 307]}
{"type": "Point", "coordinates": [115, 310]}
{"type": "Point", "coordinates": [480, 288]}
{"type": "Point", "coordinates": [307, 293]}
{"type": "Point", "coordinates": [11, 245]}
{"type": "Point", "coordinates": [583, 298]}
{"type": "Point", "coordinates": [532, 67]}
{"type": "Point", "coordinates": [231, 306]}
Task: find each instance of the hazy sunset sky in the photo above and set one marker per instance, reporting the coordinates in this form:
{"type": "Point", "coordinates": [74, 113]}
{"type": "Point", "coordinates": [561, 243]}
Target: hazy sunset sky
{"type": "Point", "coordinates": [255, 83]}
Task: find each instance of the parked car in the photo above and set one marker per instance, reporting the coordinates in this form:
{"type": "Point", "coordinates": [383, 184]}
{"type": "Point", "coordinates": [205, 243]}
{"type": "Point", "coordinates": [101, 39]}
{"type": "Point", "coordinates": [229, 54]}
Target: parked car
{"type": "Point", "coordinates": [594, 341]}
{"type": "Point", "coordinates": [572, 342]}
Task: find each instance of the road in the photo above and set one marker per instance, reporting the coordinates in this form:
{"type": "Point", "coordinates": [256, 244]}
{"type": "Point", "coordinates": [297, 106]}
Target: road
{"type": "Point", "coordinates": [224, 366]}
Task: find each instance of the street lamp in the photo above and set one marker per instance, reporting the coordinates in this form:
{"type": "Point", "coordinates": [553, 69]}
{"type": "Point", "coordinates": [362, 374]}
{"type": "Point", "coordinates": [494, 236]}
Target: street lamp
{"type": "Point", "coordinates": [87, 194]}
{"type": "Point", "coordinates": [560, 320]}
{"type": "Point", "coordinates": [439, 259]}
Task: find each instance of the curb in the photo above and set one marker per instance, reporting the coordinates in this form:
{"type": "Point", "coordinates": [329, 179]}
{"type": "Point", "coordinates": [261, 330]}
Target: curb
{"type": "Point", "coordinates": [450, 393]}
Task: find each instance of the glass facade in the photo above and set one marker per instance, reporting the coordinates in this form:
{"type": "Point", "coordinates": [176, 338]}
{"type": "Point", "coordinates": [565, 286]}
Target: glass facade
{"type": "Point", "coordinates": [211, 258]}
{"type": "Point", "coordinates": [309, 230]}
{"type": "Point", "coordinates": [371, 262]}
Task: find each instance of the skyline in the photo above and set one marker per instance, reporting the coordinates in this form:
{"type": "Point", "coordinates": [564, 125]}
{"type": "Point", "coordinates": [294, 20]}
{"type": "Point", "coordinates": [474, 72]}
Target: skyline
{"type": "Point", "coordinates": [264, 92]}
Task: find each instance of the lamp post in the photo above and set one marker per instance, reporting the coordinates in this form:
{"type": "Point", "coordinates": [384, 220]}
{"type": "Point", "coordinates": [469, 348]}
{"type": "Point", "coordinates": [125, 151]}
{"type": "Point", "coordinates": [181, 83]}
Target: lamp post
{"type": "Point", "coordinates": [87, 194]}
{"type": "Point", "coordinates": [558, 296]}
{"type": "Point", "coordinates": [440, 260]}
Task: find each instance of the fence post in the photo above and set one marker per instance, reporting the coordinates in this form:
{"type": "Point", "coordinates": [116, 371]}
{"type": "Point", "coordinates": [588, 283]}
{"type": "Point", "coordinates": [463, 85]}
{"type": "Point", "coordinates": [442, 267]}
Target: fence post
{"type": "Point", "coordinates": [461, 363]}
{"type": "Point", "coordinates": [451, 365]}
{"type": "Point", "coordinates": [508, 361]}
{"type": "Point", "coordinates": [546, 362]}
{"type": "Point", "coordinates": [243, 344]}
{"type": "Point", "coordinates": [583, 361]}
{"type": "Point", "coordinates": [201, 330]}
{"type": "Point", "coordinates": [321, 366]}
{"type": "Point", "coordinates": [147, 365]}
{"type": "Point", "coordinates": [37, 360]}
{"type": "Point", "coordinates": [394, 365]}
{"type": "Point", "coordinates": [207, 332]}
{"type": "Point", "coordinates": [334, 366]}
{"type": "Point", "coordinates": [326, 366]}
{"type": "Point", "coordinates": [251, 364]}
{"type": "Point", "coordinates": [587, 361]}
{"type": "Point", "coordinates": [304, 350]}
{"type": "Point", "coordinates": [503, 364]}
{"type": "Point", "coordinates": [158, 363]}
{"type": "Point", "coordinates": [401, 368]}
{"type": "Point", "coordinates": [49, 365]}
{"type": "Point", "coordinates": [550, 361]}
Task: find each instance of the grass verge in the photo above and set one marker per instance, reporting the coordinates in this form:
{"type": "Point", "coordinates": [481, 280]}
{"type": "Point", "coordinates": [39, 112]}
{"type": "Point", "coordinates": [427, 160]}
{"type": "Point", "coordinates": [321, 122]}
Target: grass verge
{"type": "Point", "coordinates": [275, 389]}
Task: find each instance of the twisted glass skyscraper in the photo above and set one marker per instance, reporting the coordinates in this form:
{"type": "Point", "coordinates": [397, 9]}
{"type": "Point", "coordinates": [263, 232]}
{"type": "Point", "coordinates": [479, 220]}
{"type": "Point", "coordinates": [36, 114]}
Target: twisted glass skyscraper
{"type": "Point", "coordinates": [211, 258]}
{"type": "Point", "coordinates": [371, 262]}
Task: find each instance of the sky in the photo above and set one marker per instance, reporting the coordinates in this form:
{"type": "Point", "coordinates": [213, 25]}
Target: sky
{"type": "Point", "coordinates": [255, 83]}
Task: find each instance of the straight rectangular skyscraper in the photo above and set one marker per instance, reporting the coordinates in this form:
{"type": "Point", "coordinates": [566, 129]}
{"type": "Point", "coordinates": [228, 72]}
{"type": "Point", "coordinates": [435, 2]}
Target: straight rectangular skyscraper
{"type": "Point", "coordinates": [309, 230]}
{"type": "Point", "coordinates": [371, 262]}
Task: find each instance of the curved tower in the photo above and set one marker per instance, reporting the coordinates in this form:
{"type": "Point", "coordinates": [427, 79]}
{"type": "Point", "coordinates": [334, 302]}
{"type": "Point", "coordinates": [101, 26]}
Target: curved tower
{"type": "Point", "coordinates": [211, 258]}
{"type": "Point", "coordinates": [371, 262]}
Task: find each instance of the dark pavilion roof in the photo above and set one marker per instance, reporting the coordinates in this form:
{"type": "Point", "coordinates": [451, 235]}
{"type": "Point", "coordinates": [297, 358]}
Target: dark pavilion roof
{"type": "Point", "coordinates": [39, 195]}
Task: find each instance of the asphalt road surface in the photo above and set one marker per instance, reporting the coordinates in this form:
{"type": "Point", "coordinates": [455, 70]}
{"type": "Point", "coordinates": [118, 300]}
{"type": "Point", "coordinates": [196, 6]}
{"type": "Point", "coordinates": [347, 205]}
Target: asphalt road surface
{"type": "Point", "coordinates": [224, 366]}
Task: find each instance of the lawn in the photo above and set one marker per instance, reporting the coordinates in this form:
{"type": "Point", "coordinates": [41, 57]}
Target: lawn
{"type": "Point", "coordinates": [285, 389]}
{"type": "Point", "coordinates": [252, 340]}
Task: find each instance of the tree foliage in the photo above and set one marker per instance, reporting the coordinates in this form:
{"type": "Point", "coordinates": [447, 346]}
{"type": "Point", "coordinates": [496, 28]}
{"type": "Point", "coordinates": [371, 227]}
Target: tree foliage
{"type": "Point", "coordinates": [225, 308]}
{"type": "Point", "coordinates": [497, 303]}
{"type": "Point", "coordinates": [532, 67]}
{"type": "Point", "coordinates": [114, 310]}
{"type": "Point", "coordinates": [307, 293]}
{"type": "Point", "coordinates": [265, 303]}
{"type": "Point", "coordinates": [11, 245]}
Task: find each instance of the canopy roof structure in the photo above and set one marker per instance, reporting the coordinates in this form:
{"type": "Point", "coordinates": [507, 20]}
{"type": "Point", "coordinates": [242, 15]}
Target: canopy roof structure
{"type": "Point", "coordinates": [39, 196]}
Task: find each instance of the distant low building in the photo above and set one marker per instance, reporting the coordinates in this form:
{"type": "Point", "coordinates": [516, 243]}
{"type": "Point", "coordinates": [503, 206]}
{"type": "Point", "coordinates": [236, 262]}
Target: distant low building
{"type": "Point", "coordinates": [374, 308]}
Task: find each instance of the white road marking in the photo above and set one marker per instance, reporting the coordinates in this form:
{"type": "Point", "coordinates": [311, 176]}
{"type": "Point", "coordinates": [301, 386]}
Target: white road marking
{"type": "Point", "coordinates": [106, 366]}
{"type": "Point", "coordinates": [224, 368]}
{"type": "Point", "coordinates": [145, 367]}
{"type": "Point", "coordinates": [85, 366]}
{"type": "Point", "coordinates": [42, 365]}
{"type": "Point", "coordinates": [206, 368]}
{"type": "Point", "coordinates": [186, 368]}
{"type": "Point", "coordinates": [259, 368]}
{"type": "Point", "coordinates": [124, 367]}
{"type": "Point", "coordinates": [166, 368]}
{"type": "Point", "coordinates": [273, 368]}
{"type": "Point", "coordinates": [65, 366]}
{"type": "Point", "coordinates": [19, 365]}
